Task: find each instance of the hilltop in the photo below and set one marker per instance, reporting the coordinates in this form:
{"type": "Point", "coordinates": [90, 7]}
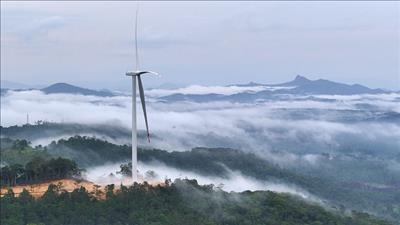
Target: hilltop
{"type": "Point", "coordinates": [178, 202]}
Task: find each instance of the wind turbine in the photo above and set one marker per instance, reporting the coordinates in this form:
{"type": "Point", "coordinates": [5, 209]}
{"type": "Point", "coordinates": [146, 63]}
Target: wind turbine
{"type": "Point", "coordinates": [137, 74]}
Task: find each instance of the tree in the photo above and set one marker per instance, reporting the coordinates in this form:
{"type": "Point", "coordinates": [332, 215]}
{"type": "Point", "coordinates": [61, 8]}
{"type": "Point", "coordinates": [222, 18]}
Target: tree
{"type": "Point", "coordinates": [39, 169]}
{"type": "Point", "coordinates": [5, 176]}
{"type": "Point", "coordinates": [16, 171]}
{"type": "Point", "coordinates": [126, 169]}
{"type": "Point", "coordinates": [20, 144]}
{"type": "Point", "coordinates": [25, 197]}
{"type": "Point", "coordinates": [109, 190]}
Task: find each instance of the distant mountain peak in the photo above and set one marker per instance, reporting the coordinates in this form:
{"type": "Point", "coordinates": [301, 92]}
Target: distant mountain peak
{"type": "Point", "coordinates": [300, 78]}
{"type": "Point", "coordinates": [300, 85]}
{"type": "Point", "coordinates": [61, 85]}
{"type": "Point", "coordinates": [71, 89]}
{"type": "Point", "coordinates": [298, 81]}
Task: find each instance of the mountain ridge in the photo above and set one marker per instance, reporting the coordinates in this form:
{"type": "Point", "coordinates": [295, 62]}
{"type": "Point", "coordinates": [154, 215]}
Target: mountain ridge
{"type": "Point", "coordinates": [300, 85]}
{"type": "Point", "coordinates": [64, 88]}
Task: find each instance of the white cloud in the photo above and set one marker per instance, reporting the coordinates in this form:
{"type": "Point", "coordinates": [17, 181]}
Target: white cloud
{"type": "Point", "coordinates": [256, 127]}
{"type": "Point", "coordinates": [236, 181]}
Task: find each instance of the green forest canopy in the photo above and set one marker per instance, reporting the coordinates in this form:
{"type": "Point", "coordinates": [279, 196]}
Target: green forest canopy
{"type": "Point", "coordinates": [180, 202]}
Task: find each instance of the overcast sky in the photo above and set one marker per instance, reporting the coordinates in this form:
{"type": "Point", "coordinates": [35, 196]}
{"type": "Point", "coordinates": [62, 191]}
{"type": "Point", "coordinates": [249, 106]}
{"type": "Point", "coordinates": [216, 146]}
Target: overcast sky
{"type": "Point", "coordinates": [210, 43]}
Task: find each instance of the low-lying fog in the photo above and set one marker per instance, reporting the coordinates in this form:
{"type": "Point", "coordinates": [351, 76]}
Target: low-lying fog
{"type": "Point", "coordinates": [297, 124]}
{"type": "Point", "coordinates": [235, 182]}
{"type": "Point", "coordinates": [352, 141]}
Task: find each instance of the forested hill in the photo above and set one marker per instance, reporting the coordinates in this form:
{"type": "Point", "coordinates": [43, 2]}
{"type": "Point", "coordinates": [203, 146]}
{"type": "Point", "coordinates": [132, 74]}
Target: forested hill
{"type": "Point", "coordinates": [215, 162]}
{"type": "Point", "coordinates": [181, 202]}
{"type": "Point", "coordinates": [43, 129]}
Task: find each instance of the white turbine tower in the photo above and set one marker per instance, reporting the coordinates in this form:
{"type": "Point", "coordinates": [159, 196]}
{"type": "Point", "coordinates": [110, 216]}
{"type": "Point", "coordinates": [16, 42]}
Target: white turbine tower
{"type": "Point", "coordinates": [137, 74]}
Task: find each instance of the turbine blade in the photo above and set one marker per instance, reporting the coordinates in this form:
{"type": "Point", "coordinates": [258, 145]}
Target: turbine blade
{"type": "Point", "coordinates": [141, 93]}
{"type": "Point", "coordinates": [154, 73]}
{"type": "Point", "coordinates": [136, 43]}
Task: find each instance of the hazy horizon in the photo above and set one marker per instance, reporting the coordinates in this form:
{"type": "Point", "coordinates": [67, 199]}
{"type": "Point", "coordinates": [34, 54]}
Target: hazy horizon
{"type": "Point", "coordinates": [168, 85]}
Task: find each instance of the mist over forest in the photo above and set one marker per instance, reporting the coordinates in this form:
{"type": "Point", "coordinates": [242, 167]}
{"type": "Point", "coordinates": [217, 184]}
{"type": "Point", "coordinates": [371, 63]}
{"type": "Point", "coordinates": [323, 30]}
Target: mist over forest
{"type": "Point", "coordinates": [200, 113]}
{"type": "Point", "coordinates": [333, 150]}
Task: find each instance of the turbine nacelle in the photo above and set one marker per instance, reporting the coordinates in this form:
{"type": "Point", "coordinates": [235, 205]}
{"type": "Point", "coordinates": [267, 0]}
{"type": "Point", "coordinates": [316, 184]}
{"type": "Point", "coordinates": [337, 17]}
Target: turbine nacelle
{"type": "Point", "coordinates": [138, 73]}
